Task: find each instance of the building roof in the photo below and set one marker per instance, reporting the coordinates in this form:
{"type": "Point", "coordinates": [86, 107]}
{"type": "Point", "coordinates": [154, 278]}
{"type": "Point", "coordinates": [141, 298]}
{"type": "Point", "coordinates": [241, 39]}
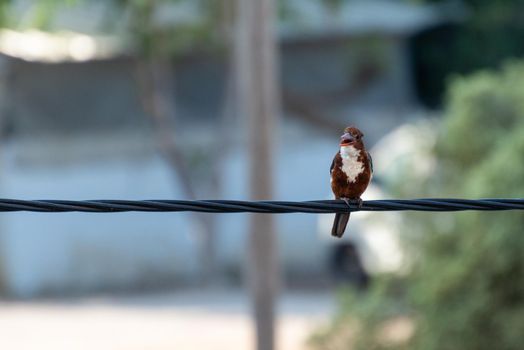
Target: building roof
{"type": "Point", "coordinates": [357, 18]}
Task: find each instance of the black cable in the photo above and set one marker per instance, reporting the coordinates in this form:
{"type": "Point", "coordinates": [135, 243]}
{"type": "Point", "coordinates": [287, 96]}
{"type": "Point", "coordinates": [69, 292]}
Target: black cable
{"type": "Point", "coordinates": [269, 207]}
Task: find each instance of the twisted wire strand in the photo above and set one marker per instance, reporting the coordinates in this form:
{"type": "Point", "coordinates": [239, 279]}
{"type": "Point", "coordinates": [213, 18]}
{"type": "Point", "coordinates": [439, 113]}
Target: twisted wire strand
{"type": "Point", "coordinates": [269, 207]}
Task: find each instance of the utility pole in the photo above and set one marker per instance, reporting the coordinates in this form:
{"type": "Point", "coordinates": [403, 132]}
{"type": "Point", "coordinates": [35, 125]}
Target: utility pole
{"type": "Point", "coordinates": [256, 61]}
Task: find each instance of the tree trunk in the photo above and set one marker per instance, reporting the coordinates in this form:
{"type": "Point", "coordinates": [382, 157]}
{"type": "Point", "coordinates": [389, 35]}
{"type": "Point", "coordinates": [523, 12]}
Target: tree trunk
{"type": "Point", "coordinates": [155, 90]}
{"type": "Point", "coordinates": [257, 74]}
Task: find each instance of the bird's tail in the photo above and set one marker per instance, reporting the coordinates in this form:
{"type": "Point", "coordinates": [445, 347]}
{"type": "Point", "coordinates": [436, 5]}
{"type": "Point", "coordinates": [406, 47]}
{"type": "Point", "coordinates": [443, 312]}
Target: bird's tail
{"type": "Point", "coordinates": [339, 225]}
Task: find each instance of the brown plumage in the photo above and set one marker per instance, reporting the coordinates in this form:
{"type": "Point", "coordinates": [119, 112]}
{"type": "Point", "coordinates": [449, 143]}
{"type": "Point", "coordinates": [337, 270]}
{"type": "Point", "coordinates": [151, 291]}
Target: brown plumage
{"type": "Point", "coordinates": [351, 172]}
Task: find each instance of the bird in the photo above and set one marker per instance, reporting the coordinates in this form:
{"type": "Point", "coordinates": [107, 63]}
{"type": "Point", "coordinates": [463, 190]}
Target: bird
{"type": "Point", "coordinates": [351, 172]}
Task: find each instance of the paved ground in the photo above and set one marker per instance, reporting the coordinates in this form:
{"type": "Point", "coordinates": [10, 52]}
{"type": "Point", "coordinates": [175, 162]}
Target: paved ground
{"type": "Point", "coordinates": [183, 320]}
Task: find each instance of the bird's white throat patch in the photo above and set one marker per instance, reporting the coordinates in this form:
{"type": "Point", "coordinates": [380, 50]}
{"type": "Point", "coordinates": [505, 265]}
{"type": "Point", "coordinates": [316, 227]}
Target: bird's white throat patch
{"type": "Point", "coordinates": [350, 163]}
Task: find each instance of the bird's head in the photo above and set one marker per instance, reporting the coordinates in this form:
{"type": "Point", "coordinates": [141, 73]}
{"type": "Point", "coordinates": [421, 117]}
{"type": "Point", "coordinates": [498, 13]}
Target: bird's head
{"type": "Point", "coordinates": [352, 137]}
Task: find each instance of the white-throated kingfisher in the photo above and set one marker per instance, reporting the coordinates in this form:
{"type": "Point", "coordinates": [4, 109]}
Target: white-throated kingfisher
{"type": "Point", "coordinates": [351, 172]}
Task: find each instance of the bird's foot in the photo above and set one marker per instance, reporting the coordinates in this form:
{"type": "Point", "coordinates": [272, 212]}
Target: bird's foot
{"type": "Point", "coordinates": [357, 201]}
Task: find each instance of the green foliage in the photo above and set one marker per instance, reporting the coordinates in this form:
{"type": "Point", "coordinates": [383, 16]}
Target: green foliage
{"type": "Point", "coordinates": [469, 291]}
{"type": "Point", "coordinates": [4, 12]}
{"type": "Point", "coordinates": [466, 287]}
{"type": "Point", "coordinates": [200, 25]}
{"type": "Point", "coordinates": [482, 112]}
{"type": "Point", "coordinates": [490, 33]}
{"type": "Point", "coordinates": [37, 14]}
{"type": "Point", "coordinates": [175, 37]}
{"type": "Point", "coordinates": [41, 13]}
{"type": "Point", "coordinates": [360, 318]}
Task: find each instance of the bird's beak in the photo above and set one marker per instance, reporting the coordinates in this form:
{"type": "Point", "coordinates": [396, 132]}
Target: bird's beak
{"type": "Point", "coordinates": [346, 139]}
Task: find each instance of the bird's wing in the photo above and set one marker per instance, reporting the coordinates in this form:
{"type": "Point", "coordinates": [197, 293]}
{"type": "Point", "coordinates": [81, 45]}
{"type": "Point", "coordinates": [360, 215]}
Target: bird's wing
{"type": "Point", "coordinates": [332, 165]}
{"type": "Point", "coordinates": [370, 162]}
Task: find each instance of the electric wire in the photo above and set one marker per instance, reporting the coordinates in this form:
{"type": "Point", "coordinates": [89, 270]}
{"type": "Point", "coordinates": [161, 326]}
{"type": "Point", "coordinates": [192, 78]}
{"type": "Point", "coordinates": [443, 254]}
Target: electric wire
{"type": "Point", "coordinates": [267, 207]}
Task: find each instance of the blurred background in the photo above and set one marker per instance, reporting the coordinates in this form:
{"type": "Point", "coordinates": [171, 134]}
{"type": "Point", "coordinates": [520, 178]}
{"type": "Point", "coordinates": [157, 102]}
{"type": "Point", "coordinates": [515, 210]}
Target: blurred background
{"type": "Point", "coordinates": [145, 99]}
